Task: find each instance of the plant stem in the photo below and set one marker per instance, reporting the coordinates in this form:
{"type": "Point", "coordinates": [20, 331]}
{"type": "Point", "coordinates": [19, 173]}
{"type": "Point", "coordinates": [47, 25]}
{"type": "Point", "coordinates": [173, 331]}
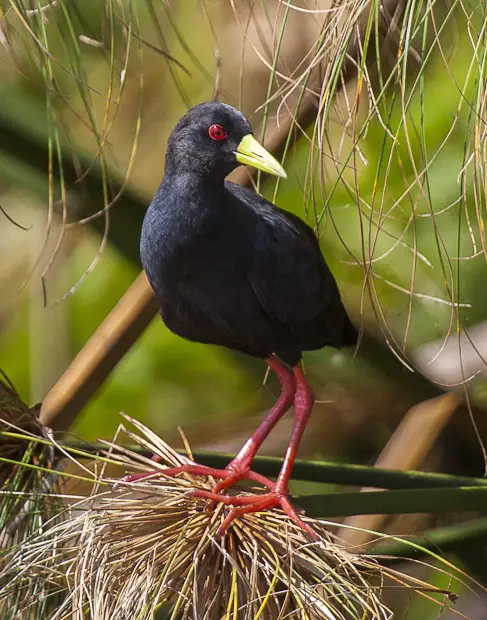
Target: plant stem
{"type": "Point", "coordinates": [320, 471]}
{"type": "Point", "coordinates": [395, 502]}
{"type": "Point", "coordinates": [445, 538]}
{"type": "Point", "coordinates": [340, 473]}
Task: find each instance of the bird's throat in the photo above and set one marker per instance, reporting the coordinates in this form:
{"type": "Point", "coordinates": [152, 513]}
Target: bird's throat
{"type": "Point", "coordinates": [190, 194]}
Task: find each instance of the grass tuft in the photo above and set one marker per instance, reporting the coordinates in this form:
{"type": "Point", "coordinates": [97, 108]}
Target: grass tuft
{"type": "Point", "coordinates": [23, 459]}
{"type": "Point", "coordinates": [130, 549]}
{"type": "Point", "coordinates": [29, 486]}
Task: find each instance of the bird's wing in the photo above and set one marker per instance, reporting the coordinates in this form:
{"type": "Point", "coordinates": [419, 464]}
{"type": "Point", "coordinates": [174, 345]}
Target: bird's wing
{"type": "Point", "coordinates": [289, 276]}
{"type": "Point", "coordinates": [288, 273]}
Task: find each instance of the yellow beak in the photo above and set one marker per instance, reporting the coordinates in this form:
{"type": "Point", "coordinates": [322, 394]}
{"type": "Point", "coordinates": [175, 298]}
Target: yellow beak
{"type": "Point", "coordinates": [251, 153]}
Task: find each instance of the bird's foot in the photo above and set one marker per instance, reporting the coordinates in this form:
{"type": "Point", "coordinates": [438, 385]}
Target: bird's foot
{"type": "Point", "coordinates": [246, 504]}
{"type": "Point", "coordinates": [243, 504]}
{"type": "Point", "coordinates": [191, 468]}
{"type": "Point", "coordinates": [228, 477]}
{"type": "Point", "coordinates": [238, 470]}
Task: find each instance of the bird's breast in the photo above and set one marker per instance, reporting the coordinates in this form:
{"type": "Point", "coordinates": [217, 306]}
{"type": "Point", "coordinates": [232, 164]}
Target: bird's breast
{"type": "Point", "coordinates": [210, 261]}
{"type": "Point", "coordinates": [184, 255]}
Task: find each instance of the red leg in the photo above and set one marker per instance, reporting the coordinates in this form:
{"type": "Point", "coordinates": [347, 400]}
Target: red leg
{"type": "Point", "coordinates": [303, 404]}
{"type": "Point", "coordinates": [239, 467]}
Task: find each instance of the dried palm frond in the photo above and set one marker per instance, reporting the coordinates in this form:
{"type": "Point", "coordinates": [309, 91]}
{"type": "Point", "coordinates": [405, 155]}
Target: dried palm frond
{"type": "Point", "coordinates": [24, 460]}
{"type": "Point", "coordinates": [14, 413]}
{"type": "Point", "coordinates": [131, 548]}
{"type": "Point", "coordinates": [28, 482]}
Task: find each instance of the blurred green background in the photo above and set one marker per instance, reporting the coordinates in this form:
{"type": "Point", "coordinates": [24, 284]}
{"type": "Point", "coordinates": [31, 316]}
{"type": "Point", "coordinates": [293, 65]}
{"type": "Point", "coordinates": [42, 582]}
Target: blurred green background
{"type": "Point", "coordinates": [392, 176]}
{"type": "Point", "coordinates": [391, 194]}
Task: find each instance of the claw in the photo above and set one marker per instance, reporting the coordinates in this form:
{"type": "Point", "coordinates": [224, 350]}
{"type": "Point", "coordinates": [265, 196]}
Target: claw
{"type": "Point", "coordinates": [242, 504]}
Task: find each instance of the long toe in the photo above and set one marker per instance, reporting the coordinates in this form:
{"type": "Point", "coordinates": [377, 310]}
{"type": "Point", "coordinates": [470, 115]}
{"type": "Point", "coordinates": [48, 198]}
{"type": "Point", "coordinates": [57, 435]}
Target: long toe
{"type": "Point", "coordinates": [247, 504]}
{"type": "Point", "coordinates": [192, 468]}
{"type": "Point", "coordinates": [235, 476]}
{"type": "Point", "coordinates": [227, 477]}
{"type": "Point", "coordinates": [267, 501]}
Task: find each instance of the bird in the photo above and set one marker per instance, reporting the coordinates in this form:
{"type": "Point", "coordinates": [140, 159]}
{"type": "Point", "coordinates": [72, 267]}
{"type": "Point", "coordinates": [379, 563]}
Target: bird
{"type": "Point", "coordinates": [229, 268]}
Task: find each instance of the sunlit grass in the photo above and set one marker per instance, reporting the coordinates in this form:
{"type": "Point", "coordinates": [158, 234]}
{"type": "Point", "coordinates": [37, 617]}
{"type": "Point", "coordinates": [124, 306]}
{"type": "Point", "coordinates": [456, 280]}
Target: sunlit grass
{"type": "Point", "coordinates": [129, 548]}
{"type": "Point", "coordinates": [29, 488]}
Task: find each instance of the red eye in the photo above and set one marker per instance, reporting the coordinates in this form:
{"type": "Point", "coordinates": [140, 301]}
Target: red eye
{"type": "Point", "coordinates": [216, 132]}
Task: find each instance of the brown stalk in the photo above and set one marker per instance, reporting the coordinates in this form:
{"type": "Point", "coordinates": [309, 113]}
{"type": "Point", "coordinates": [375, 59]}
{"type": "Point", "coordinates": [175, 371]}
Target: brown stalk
{"type": "Point", "coordinates": [407, 449]}
{"type": "Point", "coordinates": [100, 355]}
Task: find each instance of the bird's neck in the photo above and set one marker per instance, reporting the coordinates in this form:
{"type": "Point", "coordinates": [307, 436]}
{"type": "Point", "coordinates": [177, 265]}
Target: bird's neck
{"type": "Point", "coordinates": [192, 187]}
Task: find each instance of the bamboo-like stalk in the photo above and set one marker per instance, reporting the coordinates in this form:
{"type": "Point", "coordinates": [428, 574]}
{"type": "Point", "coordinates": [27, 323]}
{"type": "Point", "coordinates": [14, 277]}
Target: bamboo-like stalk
{"type": "Point", "coordinates": [100, 355]}
{"type": "Point", "coordinates": [446, 538]}
{"type": "Point", "coordinates": [394, 502]}
{"type": "Point", "coordinates": [344, 473]}
{"type": "Point", "coordinates": [312, 471]}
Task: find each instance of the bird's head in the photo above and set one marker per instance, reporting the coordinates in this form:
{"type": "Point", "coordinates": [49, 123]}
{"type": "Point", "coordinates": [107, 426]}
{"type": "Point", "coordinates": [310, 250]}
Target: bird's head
{"type": "Point", "coordinates": [213, 138]}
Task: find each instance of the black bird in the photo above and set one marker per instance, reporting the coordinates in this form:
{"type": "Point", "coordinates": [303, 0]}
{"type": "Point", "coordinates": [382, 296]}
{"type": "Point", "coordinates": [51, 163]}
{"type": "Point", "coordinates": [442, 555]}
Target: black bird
{"type": "Point", "coordinates": [232, 269]}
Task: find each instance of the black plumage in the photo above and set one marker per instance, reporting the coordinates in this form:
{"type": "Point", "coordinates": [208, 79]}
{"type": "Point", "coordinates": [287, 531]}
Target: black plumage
{"type": "Point", "coordinates": [227, 266]}
{"type": "Point", "coordinates": [230, 268]}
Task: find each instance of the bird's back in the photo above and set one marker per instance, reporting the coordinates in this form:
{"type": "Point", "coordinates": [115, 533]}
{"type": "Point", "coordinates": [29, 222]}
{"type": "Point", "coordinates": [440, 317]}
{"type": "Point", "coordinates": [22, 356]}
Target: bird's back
{"type": "Point", "coordinates": [293, 281]}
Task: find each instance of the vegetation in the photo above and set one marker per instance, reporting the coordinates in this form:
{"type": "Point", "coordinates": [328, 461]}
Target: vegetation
{"type": "Point", "coordinates": [377, 110]}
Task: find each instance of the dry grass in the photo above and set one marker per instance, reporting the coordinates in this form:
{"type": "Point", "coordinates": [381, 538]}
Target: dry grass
{"type": "Point", "coordinates": [24, 460]}
{"type": "Point", "coordinates": [28, 492]}
{"type": "Point", "coordinates": [14, 414]}
{"type": "Point", "coordinates": [132, 548]}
